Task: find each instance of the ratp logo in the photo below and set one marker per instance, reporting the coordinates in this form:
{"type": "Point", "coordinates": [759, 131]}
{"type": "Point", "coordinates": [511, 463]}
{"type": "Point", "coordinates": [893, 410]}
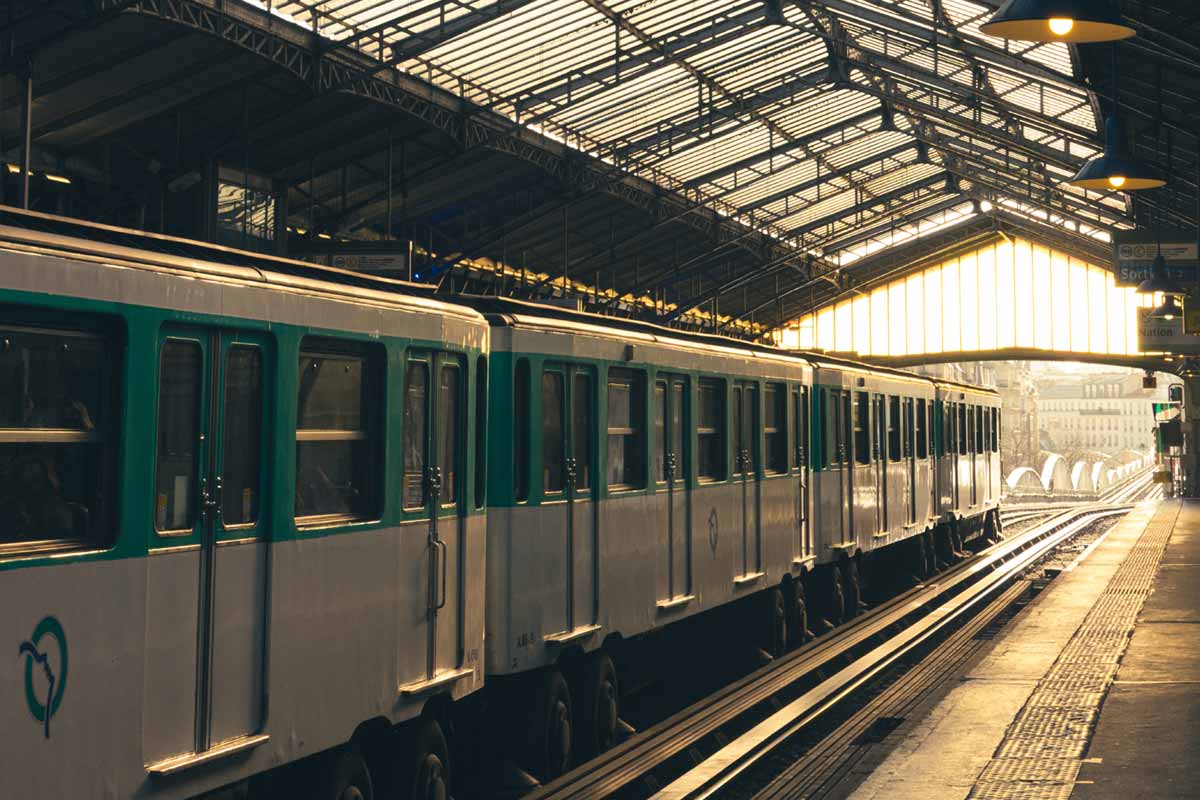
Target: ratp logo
{"type": "Point", "coordinates": [44, 697]}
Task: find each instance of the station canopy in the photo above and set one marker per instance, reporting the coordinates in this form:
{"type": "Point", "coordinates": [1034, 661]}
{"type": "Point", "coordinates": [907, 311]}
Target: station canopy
{"type": "Point", "coordinates": [747, 159]}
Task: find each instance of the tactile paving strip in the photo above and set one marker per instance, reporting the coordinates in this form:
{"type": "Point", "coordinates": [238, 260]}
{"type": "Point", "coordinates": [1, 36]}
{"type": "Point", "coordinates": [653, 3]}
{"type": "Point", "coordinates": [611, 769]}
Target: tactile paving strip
{"type": "Point", "coordinates": [1040, 756]}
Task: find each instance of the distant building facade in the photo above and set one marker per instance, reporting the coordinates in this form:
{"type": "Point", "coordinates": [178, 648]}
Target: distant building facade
{"type": "Point", "coordinates": [1104, 413]}
{"type": "Point", "coordinates": [1019, 441]}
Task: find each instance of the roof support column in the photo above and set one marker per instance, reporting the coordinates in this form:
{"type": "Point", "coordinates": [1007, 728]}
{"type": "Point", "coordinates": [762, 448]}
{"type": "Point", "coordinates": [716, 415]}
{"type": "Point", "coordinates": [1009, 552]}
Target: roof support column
{"type": "Point", "coordinates": [26, 130]}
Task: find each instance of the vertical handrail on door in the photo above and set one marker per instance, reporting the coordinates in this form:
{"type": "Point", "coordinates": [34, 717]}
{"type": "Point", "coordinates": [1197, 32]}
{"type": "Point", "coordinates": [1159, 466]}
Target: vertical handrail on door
{"type": "Point", "coordinates": [433, 481]}
{"type": "Point", "coordinates": [570, 467]}
{"type": "Point", "coordinates": [743, 460]}
{"type": "Point", "coordinates": [669, 476]}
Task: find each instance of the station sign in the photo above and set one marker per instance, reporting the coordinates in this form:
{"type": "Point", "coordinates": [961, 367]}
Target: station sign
{"type": "Point", "coordinates": [1165, 335]}
{"type": "Point", "coordinates": [1134, 252]}
{"type": "Point", "coordinates": [369, 262]}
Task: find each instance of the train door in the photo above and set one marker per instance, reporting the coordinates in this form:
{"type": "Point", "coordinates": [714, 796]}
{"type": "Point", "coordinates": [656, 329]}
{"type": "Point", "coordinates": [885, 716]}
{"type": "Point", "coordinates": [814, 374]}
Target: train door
{"type": "Point", "coordinates": [972, 453]}
{"type": "Point", "coordinates": [952, 422]}
{"type": "Point", "coordinates": [910, 459]}
{"type": "Point", "coordinates": [434, 424]}
{"type": "Point", "coordinates": [207, 570]}
{"type": "Point", "coordinates": [568, 427]}
{"type": "Point", "coordinates": [803, 545]}
{"type": "Point", "coordinates": [878, 442]}
{"type": "Point", "coordinates": [745, 451]}
{"type": "Point", "coordinates": [670, 474]}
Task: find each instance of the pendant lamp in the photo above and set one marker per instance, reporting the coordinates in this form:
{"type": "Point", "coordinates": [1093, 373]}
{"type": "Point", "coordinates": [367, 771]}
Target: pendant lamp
{"type": "Point", "coordinates": [1112, 171]}
{"type": "Point", "coordinates": [1074, 21]}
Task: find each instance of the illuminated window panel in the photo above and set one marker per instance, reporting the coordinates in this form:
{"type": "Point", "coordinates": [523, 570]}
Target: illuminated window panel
{"type": "Point", "coordinates": [1097, 308]}
{"type": "Point", "coordinates": [1116, 316]}
{"type": "Point", "coordinates": [805, 334]}
{"type": "Point", "coordinates": [987, 294]}
{"type": "Point", "coordinates": [1077, 278]}
{"type": "Point", "coordinates": [879, 323]}
{"type": "Point", "coordinates": [897, 312]}
{"type": "Point", "coordinates": [843, 328]}
{"type": "Point", "coordinates": [1043, 311]}
{"type": "Point", "coordinates": [933, 308]}
{"type": "Point", "coordinates": [1023, 292]}
{"type": "Point", "coordinates": [915, 312]}
{"type": "Point", "coordinates": [951, 300]}
{"type": "Point", "coordinates": [862, 323]}
{"type": "Point", "coordinates": [1006, 320]}
{"type": "Point", "coordinates": [825, 329]}
{"type": "Point", "coordinates": [1060, 298]}
{"type": "Point", "coordinates": [968, 284]}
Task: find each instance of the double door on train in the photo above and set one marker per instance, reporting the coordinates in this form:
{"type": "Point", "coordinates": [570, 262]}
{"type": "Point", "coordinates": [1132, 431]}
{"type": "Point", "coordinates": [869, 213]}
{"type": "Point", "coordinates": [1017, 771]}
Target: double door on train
{"type": "Point", "coordinates": [671, 465]}
{"type": "Point", "coordinates": [569, 481]}
{"type": "Point", "coordinates": [433, 541]}
{"type": "Point", "coordinates": [207, 561]}
{"type": "Point", "coordinates": [746, 476]}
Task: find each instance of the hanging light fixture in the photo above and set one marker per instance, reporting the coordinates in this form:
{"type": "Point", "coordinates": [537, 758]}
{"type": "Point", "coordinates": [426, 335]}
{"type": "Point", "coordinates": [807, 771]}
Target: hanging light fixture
{"type": "Point", "coordinates": [1074, 21]}
{"type": "Point", "coordinates": [1112, 171]}
{"type": "Point", "coordinates": [1169, 310]}
{"type": "Point", "coordinates": [1159, 280]}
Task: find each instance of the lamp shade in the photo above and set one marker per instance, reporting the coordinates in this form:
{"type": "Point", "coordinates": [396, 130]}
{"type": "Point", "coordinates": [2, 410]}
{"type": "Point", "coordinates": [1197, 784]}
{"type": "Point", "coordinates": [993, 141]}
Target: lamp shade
{"type": "Point", "coordinates": [1075, 21]}
{"type": "Point", "coordinates": [1112, 171]}
{"type": "Point", "coordinates": [1159, 280]}
{"type": "Point", "coordinates": [1169, 309]}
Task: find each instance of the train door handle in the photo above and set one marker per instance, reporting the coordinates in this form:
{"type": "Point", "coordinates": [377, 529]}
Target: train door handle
{"type": "Point", "coordinates": [441, 557]}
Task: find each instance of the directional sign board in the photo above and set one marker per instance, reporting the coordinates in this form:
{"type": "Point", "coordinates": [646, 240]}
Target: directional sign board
{"type": "Point", "coordinates": [1134, 252]}
{"type": "Point", "coordinates": [1165, 335]}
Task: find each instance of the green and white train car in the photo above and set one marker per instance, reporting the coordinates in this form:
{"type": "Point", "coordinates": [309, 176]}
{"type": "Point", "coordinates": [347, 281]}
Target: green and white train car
{"type": "Point", "coordinates": [241, 517]}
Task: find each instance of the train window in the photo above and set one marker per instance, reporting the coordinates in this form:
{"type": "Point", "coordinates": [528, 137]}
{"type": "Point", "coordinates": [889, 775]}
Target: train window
{"type": "Point", "coordinates": [416, 432]}
{"type": "Point", "coordinates": [978, 429]}
{"type": "Point", "coordinates": [962, 428]}
{"type": "Point", "coordinates": [180, 388]}
{"type": "Point", "coordinates": [241, 418]}
{"type": "Point", "coordinates": [448, 425]}
{"type": "Point", "coordinates": [56, 441]}
{"type": "Point", "coordinates": [775, 427]}
{"type": "Point", "coordinates": [909, 427]}
{"type": "Point", "coordinates": [893, 428]}
{"type": "Point", "coordinates": [832, 452]}
{"type": "Point", "coordinates": [626, 429]}
{"type": "Point", "coordinates": [862, 428]}
{"type": "Point", "coordinates": [521, 431]}
{"type": "Point", "coordinates": [581, 429]}
{"type": "Point", "coordinates": [745, 443]}
{"type": "Point", "coordinates": [552, 432]}
{"type": "Point", "coordinates": [995, 430]}
{"type": "Point", "coordinates": [660, 431]}
{"type": "Point", "coordinates": [710, 429]}
{"type": "Point", "coordinates": [335, 469]}
{"type": "Point", "coordinates": [800, 429]}
{"type": "Point", "coordinates": [481, 393]}
{"type": "Point", "coordinates": [922, 429]}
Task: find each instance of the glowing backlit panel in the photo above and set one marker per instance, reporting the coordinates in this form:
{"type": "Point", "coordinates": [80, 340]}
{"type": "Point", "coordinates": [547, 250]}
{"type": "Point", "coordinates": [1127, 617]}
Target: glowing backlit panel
{"type": "Point", "coordinates": [1009, 294]}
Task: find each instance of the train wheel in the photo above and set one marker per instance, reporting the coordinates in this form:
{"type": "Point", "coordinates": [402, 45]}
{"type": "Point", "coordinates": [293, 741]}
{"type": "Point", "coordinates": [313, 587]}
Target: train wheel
{"type": "Point", "coordinates": [797, 617]}
{"type": "Point", "coordinates": [598, 699]}
{"type": "Point", "coordinates": [342, 776]}
{"type": "Point", "coordinates": [550, 728]}
{"type": "Point", "coordinates": [852, 592]}
{"type": "Point", "coordinates": [835, 599]}
{"type": "Point", "coordinates": [428, 777]}
{"type": "Point", "coordinates": [775, 624]}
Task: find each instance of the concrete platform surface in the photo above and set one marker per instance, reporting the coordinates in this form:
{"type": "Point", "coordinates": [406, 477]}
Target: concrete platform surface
{"type": "Point", "coordinates": [1004, 729]}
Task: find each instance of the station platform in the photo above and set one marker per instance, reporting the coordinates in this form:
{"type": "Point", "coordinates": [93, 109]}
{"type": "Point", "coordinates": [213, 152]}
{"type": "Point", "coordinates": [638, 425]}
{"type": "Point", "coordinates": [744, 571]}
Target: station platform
{"type": "Point", "coordinates": [1091, 692]}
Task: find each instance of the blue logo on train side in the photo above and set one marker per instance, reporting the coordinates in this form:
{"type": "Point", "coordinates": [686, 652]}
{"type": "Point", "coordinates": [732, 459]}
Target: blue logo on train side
{"type": "Point", "coordinates": [43, 708]}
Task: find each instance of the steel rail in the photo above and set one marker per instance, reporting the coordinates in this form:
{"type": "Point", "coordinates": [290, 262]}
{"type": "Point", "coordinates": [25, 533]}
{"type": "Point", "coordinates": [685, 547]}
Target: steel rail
{"type": "Point", "coordinates": [643, 752]}
{"type": "Point", "coordinates": [733, 759]}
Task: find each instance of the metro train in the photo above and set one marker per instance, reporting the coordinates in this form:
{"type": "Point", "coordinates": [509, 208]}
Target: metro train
{"type": "Point", "coordinates": [273, 529]}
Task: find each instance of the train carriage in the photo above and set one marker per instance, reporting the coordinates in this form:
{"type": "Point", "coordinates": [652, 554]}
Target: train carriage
{"type": "Point", "coordinates": [968, 458]}
{"type": "Point", "coordinates": [241, 494]}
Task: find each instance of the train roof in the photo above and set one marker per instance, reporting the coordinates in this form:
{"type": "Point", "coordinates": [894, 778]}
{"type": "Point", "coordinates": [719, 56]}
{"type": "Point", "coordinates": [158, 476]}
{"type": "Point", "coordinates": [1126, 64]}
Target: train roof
{"type": "Point", "coordinates": [505, 310]}
{"type": "Point", "coordinates": [107, 243]}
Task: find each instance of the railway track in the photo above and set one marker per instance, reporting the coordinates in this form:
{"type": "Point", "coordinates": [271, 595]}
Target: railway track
{"type": "Point", "coordinates": [700, 750]}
